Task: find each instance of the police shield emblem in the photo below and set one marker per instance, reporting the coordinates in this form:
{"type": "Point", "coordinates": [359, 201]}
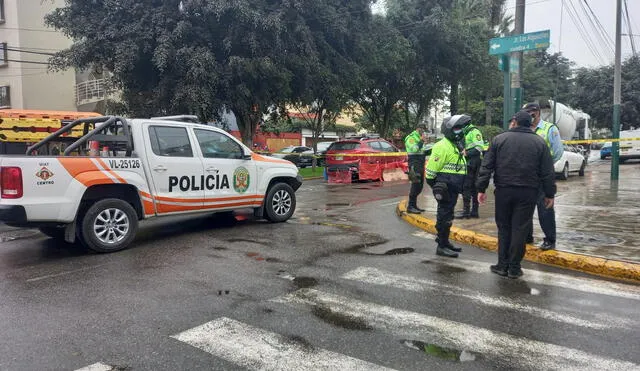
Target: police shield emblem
{"type": "Point", "coordinates": [241, 180]}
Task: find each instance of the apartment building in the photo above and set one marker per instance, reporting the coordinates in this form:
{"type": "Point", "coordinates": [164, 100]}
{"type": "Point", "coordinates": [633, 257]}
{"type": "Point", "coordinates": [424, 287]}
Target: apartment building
{"type": "Point", "coordinates": [26, 45]}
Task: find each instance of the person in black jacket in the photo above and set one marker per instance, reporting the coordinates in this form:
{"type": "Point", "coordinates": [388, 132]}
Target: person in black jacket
{"type": "Point", "coordinates": [520, 163]}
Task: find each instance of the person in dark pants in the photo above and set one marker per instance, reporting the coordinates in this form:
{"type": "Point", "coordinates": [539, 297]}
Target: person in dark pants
{"type": "Point", "coordinates": [474, 145]}
{"type": "Point", "coordinates": [445, 175]}
{"type": "Point", "coordinates": [546, 216]}
{"type": "Point", "coordinates": [413, 144]}
{"type": "Point", "coordinates": [520, 163]}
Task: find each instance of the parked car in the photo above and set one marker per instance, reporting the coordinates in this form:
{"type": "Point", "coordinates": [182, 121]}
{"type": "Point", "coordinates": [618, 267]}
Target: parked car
{"type": "Point", "coordinates": [572, 160]}
{"type": "Point", "coordinates": [605, 151]}
{"type": "Point", "coordinates": [364, 157]}
{"type": "Point", "coordinates": [301, 156]}
{"type": "Point", "coordinates": [629, 149]}
{"type": "Point", "coordinates": [322, 148]}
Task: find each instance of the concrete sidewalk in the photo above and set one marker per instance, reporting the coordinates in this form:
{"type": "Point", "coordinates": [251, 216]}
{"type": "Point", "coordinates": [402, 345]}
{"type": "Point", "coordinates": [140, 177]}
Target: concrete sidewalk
{"type": "Point", "coordinates": [593, 217]}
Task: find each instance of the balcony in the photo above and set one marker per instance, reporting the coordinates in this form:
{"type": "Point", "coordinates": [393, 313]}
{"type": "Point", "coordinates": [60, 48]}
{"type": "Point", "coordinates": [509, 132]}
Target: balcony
{"type": "Point", "coordinates": [90, 91]}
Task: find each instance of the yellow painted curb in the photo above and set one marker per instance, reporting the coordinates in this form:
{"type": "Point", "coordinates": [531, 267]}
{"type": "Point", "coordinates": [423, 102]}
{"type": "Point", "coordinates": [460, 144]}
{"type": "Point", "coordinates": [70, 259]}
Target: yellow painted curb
{"type": "Point", "coordinates": [582, 263]}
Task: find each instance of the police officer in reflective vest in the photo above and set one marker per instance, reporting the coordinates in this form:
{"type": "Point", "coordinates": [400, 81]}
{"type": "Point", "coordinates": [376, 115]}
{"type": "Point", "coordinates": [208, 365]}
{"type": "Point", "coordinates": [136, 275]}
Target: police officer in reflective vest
{"type": "Point", "coordinates": [413, 145]}
{"type": "Point", "coordinates": [446, 171]}
{"type": "Point", "coordinates": [474, 146]}
{"type": "Point", "coordinates": [546, 216]}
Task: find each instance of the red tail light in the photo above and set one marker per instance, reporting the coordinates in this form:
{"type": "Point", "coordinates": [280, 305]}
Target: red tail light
{"type": "Point", "coordinates": [11, 182]}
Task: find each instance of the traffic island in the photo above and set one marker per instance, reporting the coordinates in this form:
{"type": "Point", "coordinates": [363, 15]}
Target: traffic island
{"type": "Point", "coordinates": [583, 263]}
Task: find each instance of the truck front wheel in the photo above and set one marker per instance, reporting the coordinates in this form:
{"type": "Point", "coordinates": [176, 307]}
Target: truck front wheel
{"type": "Point", "coordinates": [109, 225]}
{"type": "Point", "coordinates": [280, 203]}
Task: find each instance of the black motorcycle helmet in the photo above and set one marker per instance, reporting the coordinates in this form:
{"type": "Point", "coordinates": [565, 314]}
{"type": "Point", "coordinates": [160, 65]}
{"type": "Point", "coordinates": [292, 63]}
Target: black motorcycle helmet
{"type": "Point", "coordinates": [452, 128]}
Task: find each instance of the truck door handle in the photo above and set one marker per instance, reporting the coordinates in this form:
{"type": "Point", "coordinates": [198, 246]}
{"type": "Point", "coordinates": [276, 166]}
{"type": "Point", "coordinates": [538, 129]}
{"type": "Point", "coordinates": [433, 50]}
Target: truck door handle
{"type": "Point", "coordinates": [211, 169]}
{"type": "Point", "coordinates": [160, 168]}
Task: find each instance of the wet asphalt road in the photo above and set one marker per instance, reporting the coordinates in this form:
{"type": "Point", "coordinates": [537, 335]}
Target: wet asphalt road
{"type": "Point", "coordinates": [345, 284]}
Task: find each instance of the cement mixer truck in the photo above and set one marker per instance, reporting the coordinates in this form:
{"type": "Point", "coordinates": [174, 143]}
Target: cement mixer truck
{"type": "Point", "coordinates": [573, 124]}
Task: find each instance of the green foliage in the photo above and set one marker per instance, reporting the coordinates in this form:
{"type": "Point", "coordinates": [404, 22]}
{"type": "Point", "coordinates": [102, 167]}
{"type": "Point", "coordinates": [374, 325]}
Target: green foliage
{"type": "Point", "coordinates": [490, 131]}
{"type": "Point", "coordinates": [544, 73]}
{"type": "Point", "coordinates": [594, 94]}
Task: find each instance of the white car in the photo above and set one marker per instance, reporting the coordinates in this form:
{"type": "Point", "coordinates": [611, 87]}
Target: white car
{"type": "Point", "coordinates": [572, 160]}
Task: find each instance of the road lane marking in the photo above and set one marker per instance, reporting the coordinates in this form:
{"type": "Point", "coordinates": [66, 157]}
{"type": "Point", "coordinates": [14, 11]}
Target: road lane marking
{"type": "Point", "coordinates": [257, 349]}
{"type": "Point", "coordinates": [508, 350]}
{"type": "Point", "coordinates": [96, 367]}
{"type": "Point", "coordinates": [64, 273]}
{"type": "Point", "coordinates": [384, 278]}
{"type": "Point", "coordinates": [592, 286]}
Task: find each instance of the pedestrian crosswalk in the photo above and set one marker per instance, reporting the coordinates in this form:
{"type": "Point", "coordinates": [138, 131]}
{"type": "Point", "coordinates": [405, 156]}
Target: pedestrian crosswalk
{"type": "Point", "coordinates": [248, 345]}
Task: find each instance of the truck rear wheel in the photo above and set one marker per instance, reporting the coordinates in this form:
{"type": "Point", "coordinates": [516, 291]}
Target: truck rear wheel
{"type": "Point", "coordinates": [109, 225]}
{"type": "Point", "coordinates": [280, 203]}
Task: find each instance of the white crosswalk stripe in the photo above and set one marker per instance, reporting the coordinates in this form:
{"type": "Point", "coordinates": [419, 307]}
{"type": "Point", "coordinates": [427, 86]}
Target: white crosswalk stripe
{"type": "Point", "coordinates": [96, 367]}
{"type": "Point", "coordinates": [257, 349]}
{"type": "Point", "coordinates": [513, 350]}
{"type": "Point", "coordinates": [584, 284]}
{"type": "Point", "coordinates": [379, 277]}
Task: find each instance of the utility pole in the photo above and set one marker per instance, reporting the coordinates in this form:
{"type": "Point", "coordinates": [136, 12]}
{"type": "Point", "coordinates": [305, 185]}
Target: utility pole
{"type": "Point", "coordinates": [516, 80]}
{"type": "Point", "coordinates": [615, 145]}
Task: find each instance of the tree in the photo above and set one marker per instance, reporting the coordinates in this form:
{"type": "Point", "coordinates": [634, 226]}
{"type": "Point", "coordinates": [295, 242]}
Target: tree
{"type": "Point", "coordinates": [548, 76]}
{"type": "Point", "coordinates": [594, 94]}
{"type": "Point", "coordinates": [383, 58]}
{"type": "Point", "coordinates": [324, 80]}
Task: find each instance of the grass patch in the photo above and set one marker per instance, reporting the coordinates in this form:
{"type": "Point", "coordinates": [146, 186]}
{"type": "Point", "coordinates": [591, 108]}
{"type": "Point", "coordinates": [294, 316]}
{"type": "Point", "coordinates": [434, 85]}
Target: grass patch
{"type": "Point", "coordinates": [308, 172]}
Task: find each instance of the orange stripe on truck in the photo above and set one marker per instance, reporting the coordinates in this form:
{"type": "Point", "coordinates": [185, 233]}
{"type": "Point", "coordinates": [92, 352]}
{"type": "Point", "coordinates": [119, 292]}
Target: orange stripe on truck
{"type": "Point", "coordinates": [108, 168]}
{"type": "Point", "coordinates": [75, 166]}
{"type": "Point", "coordinates": [164, 208]}
{"type": "Point", "coordinates": [257, 157]}
{"type": "Point", "coordinates": [209, 199]}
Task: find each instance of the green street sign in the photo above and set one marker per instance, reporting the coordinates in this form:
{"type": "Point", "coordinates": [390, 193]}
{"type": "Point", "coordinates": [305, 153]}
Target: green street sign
{"type": "Point", "coordinates": [519, 43]}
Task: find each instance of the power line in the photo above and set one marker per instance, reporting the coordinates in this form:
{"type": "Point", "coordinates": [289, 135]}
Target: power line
{"type": "Point", "coordinates": [575, 19]}
{"type": "Point", "coordinates": [602, 29]}
{"type": "Point", "coordinates": [29, 29]}
{"type": "Point", "coordinates": [601, 35]}
{"type": "Point", "coordinates": [599, 39]}
{"type": "Point", "coordinates": [28, 51]}
{"type": "Point", "coordinates": [19, 61]}
{"type": "Point", "coordinates": [633, 44]}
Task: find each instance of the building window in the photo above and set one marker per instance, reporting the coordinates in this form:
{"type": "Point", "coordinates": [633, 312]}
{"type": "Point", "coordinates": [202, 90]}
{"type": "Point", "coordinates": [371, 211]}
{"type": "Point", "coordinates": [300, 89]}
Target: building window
{"type": "Point", "coordinates": [1, 11]}
{"type": "Point", "coordinates": [5, 97]}
{"type": "Point", "coordinates": [4, 58]}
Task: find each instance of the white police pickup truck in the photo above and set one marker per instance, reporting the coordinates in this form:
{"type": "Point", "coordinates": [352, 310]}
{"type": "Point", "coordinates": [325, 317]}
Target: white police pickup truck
{"type": "Point", "coordinates": [124, 170]}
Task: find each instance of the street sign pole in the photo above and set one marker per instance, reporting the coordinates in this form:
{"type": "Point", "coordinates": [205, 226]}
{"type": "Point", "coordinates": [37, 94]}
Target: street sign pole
{"type": "Point", "coordinates": [506, 104]}
{"type": "Point", "coordinates": [615, 145]}
{"type": "Point", "coordinates": [502, 47]}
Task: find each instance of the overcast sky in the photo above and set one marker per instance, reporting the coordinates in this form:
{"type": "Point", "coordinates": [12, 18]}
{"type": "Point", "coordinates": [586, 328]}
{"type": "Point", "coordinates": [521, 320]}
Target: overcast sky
{"type": "Point", "coordinates": [546, 14]}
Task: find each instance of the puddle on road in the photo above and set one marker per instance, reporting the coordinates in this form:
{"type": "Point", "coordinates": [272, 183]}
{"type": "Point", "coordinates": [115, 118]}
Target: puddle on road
{"type": "Point", "coordinates": [304, 282]}
{"type": "Point", "coordinates": [299, 341]}
{"type": "Point", "coordinates": [444, 268]}
{"type": "Point", "coordinates": [18, 235]}
{"type": "Point", "coordinates": [355, 248]}
{"type": "Point", "coordinates": [399, 251]}
{"type": "Point", "coordinates": [338, 204]}
{"type": "Point", "coordinates": [233, 240]}
{"type": "Point", "coordinates": [440, 352]}
{"type": "Point", "coordinates": [339, 319]}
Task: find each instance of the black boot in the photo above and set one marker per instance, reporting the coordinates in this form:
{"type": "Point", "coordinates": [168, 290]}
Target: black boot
{"type": "Point", "coordinates": [474, 211]}
{"type": "Point", "coordinates": [443, 243]}
{"type": "Point", "coordinates": [449, 245]}
{"type": "Point", "coordinates": [411, 209]}
{"type": "Point", "coordinates": [464, 214]}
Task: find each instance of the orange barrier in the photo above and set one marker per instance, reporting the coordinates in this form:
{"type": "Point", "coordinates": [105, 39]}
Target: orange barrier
{"type": "Point", "coordinates": [44, 114]}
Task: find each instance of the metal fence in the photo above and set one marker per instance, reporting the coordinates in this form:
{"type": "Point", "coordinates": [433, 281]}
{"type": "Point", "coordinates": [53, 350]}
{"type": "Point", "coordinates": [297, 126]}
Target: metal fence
{"type": "Point", "coordinates": [90, 91]}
